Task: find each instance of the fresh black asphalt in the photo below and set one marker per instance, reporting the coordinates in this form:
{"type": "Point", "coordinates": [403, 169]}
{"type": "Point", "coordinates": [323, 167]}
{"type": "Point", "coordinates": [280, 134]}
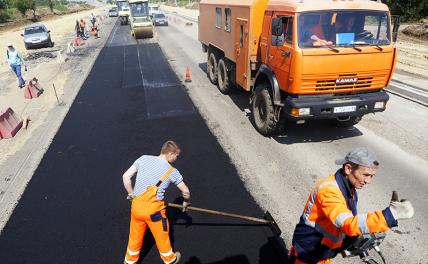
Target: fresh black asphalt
{"type": "Point", "coordinates": [74, 209]}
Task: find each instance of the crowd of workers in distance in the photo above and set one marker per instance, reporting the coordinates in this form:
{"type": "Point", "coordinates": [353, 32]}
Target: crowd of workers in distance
{"type": "Point", "coordinates": [329, 222]}
{"type": "Point", "coordinates": [82, 28]}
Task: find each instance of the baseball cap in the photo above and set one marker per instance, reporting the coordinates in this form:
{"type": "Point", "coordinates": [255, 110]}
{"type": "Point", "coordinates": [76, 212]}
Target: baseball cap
{"type": "Point", "coordinates": [9, 44]}
{"type": "Point", "coordinates": [362, 156]}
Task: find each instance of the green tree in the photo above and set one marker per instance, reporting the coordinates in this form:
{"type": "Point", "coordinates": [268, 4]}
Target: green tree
{"type": "Point", "coordinates": [3, 4]}
{"type": "Point", "coordinates": [409, 10]}
{"type": "Point", "coordinates": [24, 5]}
{"type": "Point", "coordinates": [51, 5]}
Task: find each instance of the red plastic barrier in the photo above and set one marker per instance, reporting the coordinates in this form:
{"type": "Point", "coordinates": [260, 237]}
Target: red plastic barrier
{"type": "Point", "coordinates": [78, 42]}
{"type": "Point", "coordinates": [9, 124]}
{"type": "Point", "coordinates": [32, 89]}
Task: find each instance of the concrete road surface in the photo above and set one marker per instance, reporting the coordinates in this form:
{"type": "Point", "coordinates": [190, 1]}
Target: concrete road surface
{"type": "Point", "coordinates": [74, 209]}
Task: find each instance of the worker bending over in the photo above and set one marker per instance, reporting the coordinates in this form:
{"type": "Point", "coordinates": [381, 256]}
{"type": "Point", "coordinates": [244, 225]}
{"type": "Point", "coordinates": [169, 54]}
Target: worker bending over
{"type": "Point", "coordinates": [154, 174]}
{"type": "Point", "coordinates": [330, 219]}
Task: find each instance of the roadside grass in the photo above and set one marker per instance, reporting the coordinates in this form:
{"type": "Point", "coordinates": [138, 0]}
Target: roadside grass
{"type": "Point", "coordinates": [8, 14]}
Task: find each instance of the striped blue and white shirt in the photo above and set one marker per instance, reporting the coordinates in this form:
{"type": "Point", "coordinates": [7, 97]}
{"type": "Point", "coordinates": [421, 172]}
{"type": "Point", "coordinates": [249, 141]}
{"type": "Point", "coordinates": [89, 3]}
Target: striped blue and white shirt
{"type": "Point", "coordinates": [150, 170]}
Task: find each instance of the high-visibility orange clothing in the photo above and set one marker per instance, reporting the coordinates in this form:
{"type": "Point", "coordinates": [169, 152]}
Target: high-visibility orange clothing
{"type": "Point", "coordinates": [147, 211]}
{"type": "Point", "coordinates": [330, 215]}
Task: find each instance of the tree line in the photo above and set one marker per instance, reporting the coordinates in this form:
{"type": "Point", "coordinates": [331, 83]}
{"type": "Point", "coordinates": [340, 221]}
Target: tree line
{"type": "Point", "coordinates": [26, 5]}
{"type": "Point", "coordinates": [409, 10]}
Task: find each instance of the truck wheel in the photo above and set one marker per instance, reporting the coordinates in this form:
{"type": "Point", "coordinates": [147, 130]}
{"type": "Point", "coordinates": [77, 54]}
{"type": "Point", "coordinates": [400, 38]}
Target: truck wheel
{"type": "Point", "coordinates": [346, 121]}
{"type": "Point", "coordinates": [223, 78]}
{"type": "Point", "coordinates": [263, 111]}
{"type": "Point", "coordinates": [212, 68]}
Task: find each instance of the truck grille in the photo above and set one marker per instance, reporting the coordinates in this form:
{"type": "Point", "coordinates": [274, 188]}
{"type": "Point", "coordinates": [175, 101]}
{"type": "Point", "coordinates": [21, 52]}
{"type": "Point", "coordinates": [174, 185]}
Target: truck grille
{"type": "Point", "coordinates": [328, 84]}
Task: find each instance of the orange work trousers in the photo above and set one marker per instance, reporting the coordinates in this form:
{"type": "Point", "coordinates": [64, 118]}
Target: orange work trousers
{"type": "Point", "coordinates": [146, 211]}
{"type": "Point", "coordinates": [293, 258]}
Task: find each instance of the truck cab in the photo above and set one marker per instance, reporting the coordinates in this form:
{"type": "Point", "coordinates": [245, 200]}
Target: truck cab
{"type": "Point", "coordinates": [305, 59]}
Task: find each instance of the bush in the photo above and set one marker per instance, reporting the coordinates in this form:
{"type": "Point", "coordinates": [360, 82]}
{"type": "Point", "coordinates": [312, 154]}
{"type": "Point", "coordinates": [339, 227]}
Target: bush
{"type": "Point", "coordinates": [4, 15]}
{"type": "Point", "coordinates": [409, 10]}
{"type": "Point", "coordinates": [24, 5]}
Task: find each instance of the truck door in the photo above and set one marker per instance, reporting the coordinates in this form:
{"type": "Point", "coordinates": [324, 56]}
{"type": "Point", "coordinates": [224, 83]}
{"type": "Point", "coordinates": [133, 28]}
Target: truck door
{"type": "Point", "coordinates": [241, 52]}
{"type": "Point", "coordinates": [281, 47]}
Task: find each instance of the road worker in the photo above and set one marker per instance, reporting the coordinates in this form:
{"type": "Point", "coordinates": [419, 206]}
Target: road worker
{"type": "Point", "coordinates": [312, 33]}
{"type": "Point", "coordinates": [330, 214]}
{"type": "Point", "coordinates": [83, 26]}
{"type": "Point", "coordinates": [15, 60]}
{"type": "Point", "coordinates": [154, 174]}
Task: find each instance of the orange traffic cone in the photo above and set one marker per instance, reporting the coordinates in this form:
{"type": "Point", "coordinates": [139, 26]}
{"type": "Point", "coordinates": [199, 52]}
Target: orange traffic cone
{"type": "Point", "coordinates": [188, 74]}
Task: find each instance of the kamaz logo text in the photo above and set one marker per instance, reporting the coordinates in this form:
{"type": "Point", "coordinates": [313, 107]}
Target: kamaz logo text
{"type": "Point", "coordinates": [346, 80]}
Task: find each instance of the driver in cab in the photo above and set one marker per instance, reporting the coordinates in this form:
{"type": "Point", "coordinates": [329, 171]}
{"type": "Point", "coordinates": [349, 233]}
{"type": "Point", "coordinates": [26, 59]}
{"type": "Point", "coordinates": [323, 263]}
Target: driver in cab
{"type": "Point", "coordinates": [312, 33]}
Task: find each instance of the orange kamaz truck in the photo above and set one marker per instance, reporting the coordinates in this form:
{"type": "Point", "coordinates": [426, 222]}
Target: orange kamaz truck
{"type": "Point", "coordinates": [301, 59]}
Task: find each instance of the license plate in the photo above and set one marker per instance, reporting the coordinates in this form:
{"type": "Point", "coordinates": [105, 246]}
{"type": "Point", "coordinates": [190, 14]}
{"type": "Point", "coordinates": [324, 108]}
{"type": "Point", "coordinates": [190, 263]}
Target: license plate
{"type": "Point", "coordinates": [345, 109]}
{"type": "Point", "coordinates": [161, 22]}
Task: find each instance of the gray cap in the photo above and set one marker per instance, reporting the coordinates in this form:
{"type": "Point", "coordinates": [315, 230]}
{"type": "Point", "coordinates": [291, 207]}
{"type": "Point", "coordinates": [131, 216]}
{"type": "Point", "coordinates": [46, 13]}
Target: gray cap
{"type": "Point", "coordinates": [362, 156]}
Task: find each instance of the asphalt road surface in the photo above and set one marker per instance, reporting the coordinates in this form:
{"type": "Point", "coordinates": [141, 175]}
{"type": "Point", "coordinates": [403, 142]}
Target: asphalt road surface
{"type": "Point", "coordinates": [74, 209]}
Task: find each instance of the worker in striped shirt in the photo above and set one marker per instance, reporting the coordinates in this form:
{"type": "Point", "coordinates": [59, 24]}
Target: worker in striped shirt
{"type": "Point", "coordinates": [154, 175]}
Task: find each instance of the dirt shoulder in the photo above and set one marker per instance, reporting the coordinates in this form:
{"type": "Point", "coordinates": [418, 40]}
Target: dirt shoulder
{"type": "Point", "coordinates": [20, 156]}
{"type": "Point", "coordinates": [412, 53]}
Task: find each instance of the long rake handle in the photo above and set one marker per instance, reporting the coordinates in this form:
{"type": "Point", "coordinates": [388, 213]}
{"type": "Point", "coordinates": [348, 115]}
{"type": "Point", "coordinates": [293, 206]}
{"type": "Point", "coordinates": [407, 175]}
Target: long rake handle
{"type": "Point", "coordinates": [249, 218]}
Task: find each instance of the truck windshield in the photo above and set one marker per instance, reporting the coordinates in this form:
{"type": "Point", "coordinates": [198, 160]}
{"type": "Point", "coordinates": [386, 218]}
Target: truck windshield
{"type": "Point", "coordinates": [343, 28]}
{"type": "Point", "coordinates": [140, 9]}
{"type": "Point", "coordinates": [123, 6]}
{"type": "Point", "coordinates": [33, 30]}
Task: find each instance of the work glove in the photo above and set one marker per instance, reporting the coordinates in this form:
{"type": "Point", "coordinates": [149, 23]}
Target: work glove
{"type": "Point", "coordinates": [401, 209]}
{"type": "Point", "coordinates": [186, 203]}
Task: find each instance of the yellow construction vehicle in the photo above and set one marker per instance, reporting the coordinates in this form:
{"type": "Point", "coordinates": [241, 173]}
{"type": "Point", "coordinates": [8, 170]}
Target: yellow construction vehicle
{"type": "Point", "coordinates": [123, 8]}
{"type": "Point", "coordinates": [140, 21]}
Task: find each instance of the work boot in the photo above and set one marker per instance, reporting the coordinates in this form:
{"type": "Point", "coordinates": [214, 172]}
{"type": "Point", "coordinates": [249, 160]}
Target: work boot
{"type": "Point", "coordinates": [177, 257]}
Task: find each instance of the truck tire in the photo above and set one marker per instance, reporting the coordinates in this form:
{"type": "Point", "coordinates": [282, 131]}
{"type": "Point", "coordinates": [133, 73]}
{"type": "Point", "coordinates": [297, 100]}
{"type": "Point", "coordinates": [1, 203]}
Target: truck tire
{"type": "Point", "coordinates": [212, 68]}
{"type": "Point", "coordinates": [263, 111]}
{"type": "Point", "coordinates": [223, 78]}
{"type": "Point", "coordinates": [346, 121]}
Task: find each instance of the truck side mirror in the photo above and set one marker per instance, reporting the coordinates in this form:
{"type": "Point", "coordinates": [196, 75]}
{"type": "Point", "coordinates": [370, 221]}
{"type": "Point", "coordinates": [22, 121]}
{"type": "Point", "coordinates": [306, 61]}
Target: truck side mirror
{"type": "Point", "coordinates": [396, 26]}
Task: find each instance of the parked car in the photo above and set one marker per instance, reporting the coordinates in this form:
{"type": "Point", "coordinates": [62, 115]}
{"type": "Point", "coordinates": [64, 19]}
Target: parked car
{"type": "Point", "coordinates": [37, 36]}
{"type": "Point", "coordinates": [113, 12]}
{"type": "Point", "coordinates": [160, 20]}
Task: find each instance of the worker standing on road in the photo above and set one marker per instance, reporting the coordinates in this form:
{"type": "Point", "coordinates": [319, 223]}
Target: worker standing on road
{"type": "Point", "coordinates": [83, 26]}
{"type": "Point", "coordinates": [78, 29]}
{"type": "Point", "coordinates": [330, 214]}
{"type": "Point", "coordinates": [93, 20]}
{"type": "Point", "coordinates": [154, 174]}
{"type": "Point", "coordinates": [15, 60]}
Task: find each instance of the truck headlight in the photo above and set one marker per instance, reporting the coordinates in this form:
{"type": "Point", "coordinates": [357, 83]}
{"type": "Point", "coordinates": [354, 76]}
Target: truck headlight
{"type": "Point", "coordinates": [379, 105]}
{"type": "Point", "coordinates": [300, 111]}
